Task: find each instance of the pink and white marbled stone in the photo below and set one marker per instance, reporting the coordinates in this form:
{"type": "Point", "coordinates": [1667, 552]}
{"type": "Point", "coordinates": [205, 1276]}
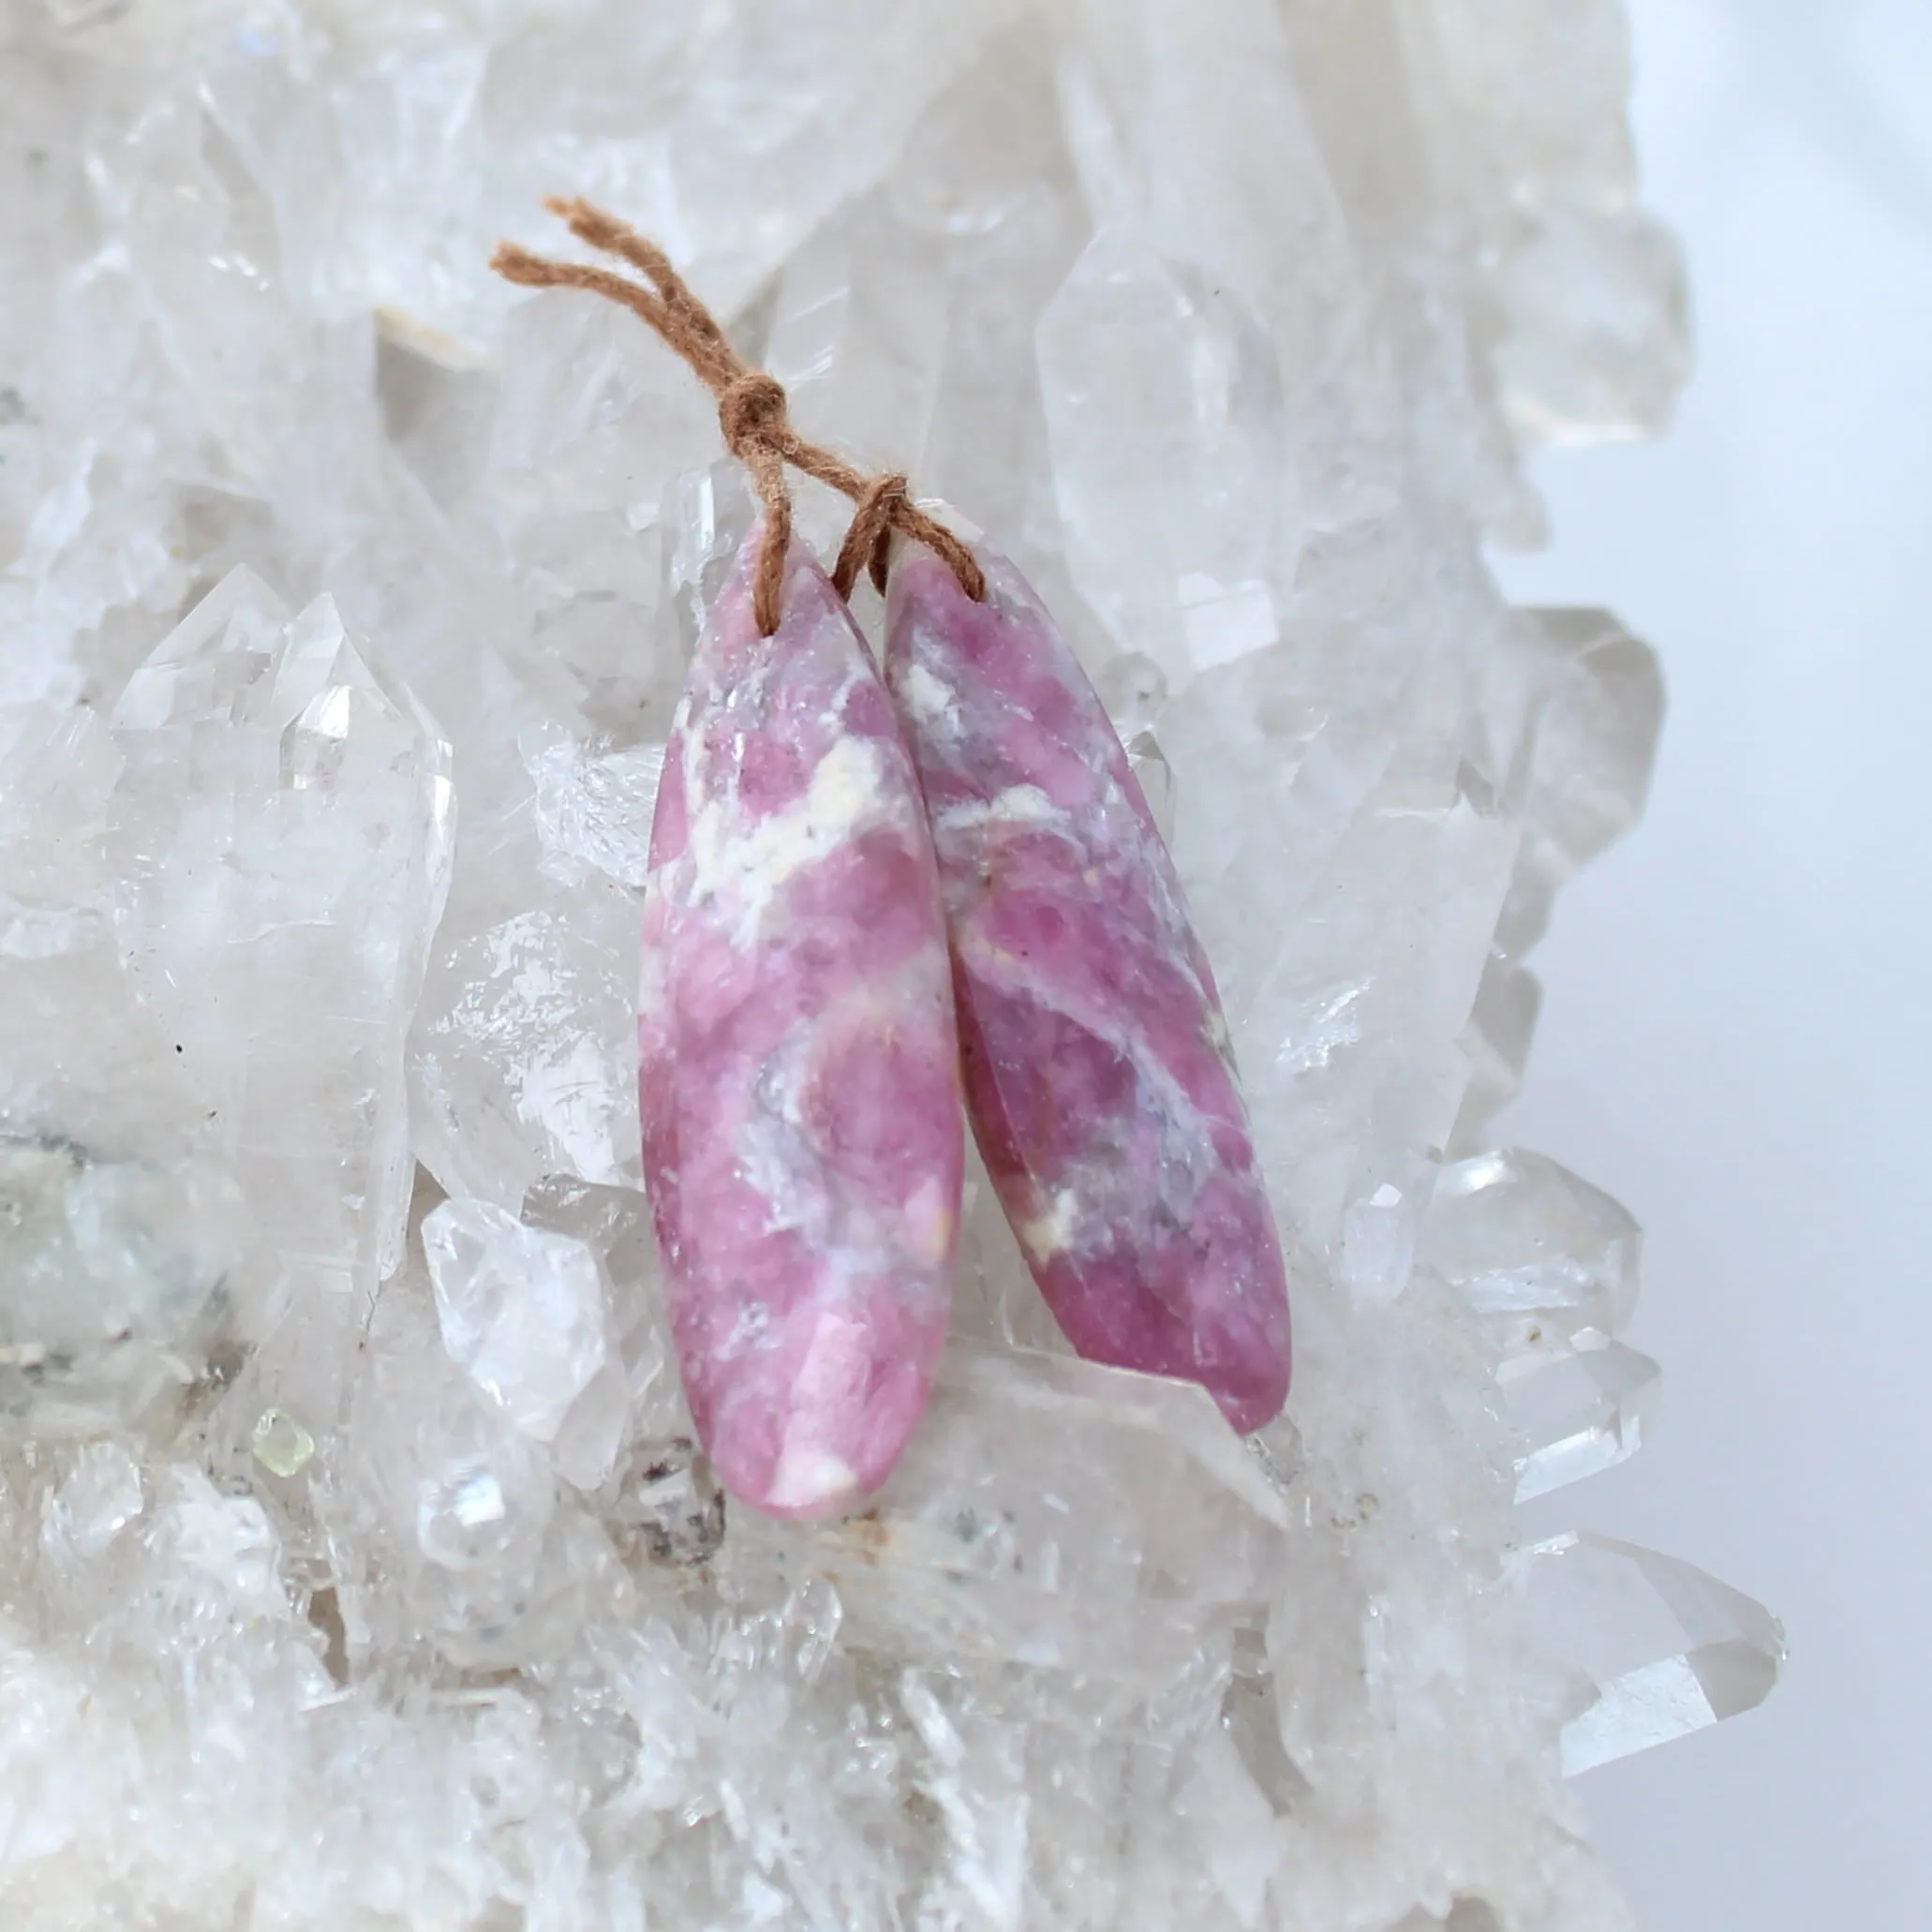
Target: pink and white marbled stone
{"type": "Point", "coordinates": [798, 1059]}
{"type": "Point", "coordinates": [1096, 1061]}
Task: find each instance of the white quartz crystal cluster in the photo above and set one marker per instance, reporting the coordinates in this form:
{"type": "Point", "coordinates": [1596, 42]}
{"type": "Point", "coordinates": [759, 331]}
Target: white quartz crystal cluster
{"type": "Point", "coordinates": [359, 1569]}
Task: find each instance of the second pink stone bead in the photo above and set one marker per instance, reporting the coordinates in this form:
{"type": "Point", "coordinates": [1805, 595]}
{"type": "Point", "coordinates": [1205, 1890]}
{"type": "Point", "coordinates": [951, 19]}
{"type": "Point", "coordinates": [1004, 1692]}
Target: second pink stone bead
{"type": "Point", "coordinates": [1096, 1059]}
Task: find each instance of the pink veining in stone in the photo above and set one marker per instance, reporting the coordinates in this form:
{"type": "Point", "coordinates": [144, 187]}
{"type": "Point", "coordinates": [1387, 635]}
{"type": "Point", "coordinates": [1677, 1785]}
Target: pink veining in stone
{"type": "Point", "coordinates": [1096, 1061]}
{"type": "Point", "coordinates": [798, 1058]}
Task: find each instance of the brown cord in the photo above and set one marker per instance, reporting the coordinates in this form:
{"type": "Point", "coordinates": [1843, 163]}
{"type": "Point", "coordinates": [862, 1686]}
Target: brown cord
{"type": "Point", "coordinates": [869, 542]}
{"type": "Point", "coordinates": [751, 413]}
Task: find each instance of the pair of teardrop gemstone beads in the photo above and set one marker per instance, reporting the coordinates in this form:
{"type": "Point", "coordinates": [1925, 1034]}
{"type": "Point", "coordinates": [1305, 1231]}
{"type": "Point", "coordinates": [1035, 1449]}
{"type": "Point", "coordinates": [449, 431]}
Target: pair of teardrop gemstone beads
{"type": "Point", "coordinates": [873, 897]}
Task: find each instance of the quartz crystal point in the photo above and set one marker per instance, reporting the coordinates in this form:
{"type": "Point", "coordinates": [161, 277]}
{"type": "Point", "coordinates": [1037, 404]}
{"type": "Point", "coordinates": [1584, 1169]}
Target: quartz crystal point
{"type": "Point", "coordinates": [282, 829]}
{"type": "Point", "coordinates": [1655, 1647]}
{"type": "Point", "coordinates": [1096, 1059]}
{"type": "Point", "coordinates": [799, 1087]}
{"type": "Point", "coordinates": [1546, 1261]}
{"type": "Point", "coordinates": [283, 824]}
{"type": "Point", "coordinates": [1576, 1415]}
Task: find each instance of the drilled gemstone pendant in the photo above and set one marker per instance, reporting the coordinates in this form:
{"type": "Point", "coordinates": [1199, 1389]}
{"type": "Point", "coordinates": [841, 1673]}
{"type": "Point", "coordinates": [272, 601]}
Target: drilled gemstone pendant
{"type": "Point", "coordinates": [1096, 1060]}
{"type": "Point", "coordinates": [799, 1063]}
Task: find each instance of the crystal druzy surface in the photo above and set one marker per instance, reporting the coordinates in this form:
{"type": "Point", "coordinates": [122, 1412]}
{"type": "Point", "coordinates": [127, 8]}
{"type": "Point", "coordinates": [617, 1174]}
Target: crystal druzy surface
{"type": "Point", "coordinates": [1096, 1059]}
{"type": "Point", "coordinates": [1232, 318]}
{"type": "Point", "coordinates": [798, 1077]}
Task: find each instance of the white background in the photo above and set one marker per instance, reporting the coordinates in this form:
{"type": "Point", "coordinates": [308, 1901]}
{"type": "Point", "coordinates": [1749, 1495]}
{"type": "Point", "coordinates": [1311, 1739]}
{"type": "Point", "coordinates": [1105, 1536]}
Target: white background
{"type": "Point", "coordinates": [1737, 1034]}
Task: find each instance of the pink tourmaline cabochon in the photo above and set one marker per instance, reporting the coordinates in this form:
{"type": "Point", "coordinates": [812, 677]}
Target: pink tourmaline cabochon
{"type": "Point", "coordinates": [798, 1067]}
{"type": "Point", "coordinates": [1096, 1060]}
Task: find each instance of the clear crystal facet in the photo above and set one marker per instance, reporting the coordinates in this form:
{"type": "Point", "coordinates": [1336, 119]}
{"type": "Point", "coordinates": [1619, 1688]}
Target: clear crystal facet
{"type": "Point", "coordinates": [1578, 1413]}
{"type": "Point", "coordinates": [1545, 1259]}
{"type": "Point", "coordinates": [522, 1310]}
{"type": "Point", "coordinates": [1175, 511]}
{"type": "Point", "coordinates": [1655, 1647]}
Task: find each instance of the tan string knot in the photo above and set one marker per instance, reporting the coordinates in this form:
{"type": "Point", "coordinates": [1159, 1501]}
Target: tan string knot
{"type": "Point", "coordinates": [752, 409]}
{"type": "Point", "coordinates": [752, 413]}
